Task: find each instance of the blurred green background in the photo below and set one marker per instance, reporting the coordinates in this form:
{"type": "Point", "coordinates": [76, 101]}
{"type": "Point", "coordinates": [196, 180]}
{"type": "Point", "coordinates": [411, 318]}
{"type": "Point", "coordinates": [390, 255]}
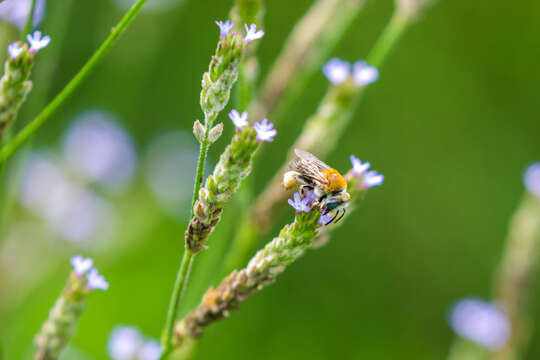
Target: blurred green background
{"type": "Point", "coordinates": [451, 123]}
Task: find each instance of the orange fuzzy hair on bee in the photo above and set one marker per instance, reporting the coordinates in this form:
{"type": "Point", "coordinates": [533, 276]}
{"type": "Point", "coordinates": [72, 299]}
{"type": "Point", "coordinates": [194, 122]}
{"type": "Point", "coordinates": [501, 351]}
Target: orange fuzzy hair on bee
{"type": "Point", "coordinates": [336, 182]}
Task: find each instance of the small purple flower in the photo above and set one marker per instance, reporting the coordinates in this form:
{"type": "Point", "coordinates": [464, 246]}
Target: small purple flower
{"type": "Point", "coordinates": [337, 71]}
{"type": "Point", "coordinates": [15, 49]}
{"type": "Point", "coordinates": [96, 281]}
{"type": "Point", "coordinates": [325, 218]}
{"type": "Point", "coordinates": [481, 322]}
{"type": "Point", "coordinates": [265, 130]}
{"type": "Point", "coordinates": [532, 179]}
{"type": "Point", "coordinates": [299, 204]}
{"type": "Point", "coordinates": [224, 27]}
{"type": "Point", "coordinates": [372, 178]}
{"type": "Point", "coordinates": [81, 266]}
{"type": "Point", "coordinates": [238, 120]}
{"type": "Point", "coordinates": [37, 42]}
{"type": "Point", "coordinates": [364, 74]}
{"type": "Point", "coordinates": [252, 33]}
{"type": "Point", "coordinates": [359, 168]}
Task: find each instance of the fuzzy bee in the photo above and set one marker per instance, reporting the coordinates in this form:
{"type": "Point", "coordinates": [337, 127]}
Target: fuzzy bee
{"type": "Point", "coordinates": [326, 183]}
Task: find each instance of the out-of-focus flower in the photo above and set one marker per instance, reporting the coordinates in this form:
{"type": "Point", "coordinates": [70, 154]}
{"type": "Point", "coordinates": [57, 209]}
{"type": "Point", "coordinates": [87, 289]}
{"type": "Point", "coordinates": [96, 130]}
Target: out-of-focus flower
{"type": "Point", "coordinates": [15, 49]}
{"type": "Point", "coordinates": [299, 204]}
{"type": "Point", "coordinates": [481, 322]}
{"type": "Point", "coordinates": [224, 27]}
{"type": "Point", "coordinates": [252, 33]}
{"type": "Point", "coordinates": [238, 120]}
{"type": "Point", "coordinates": [67, 207]}
{"type": "Point", "coordinates": [265, 130]}
{"type": "Point", "coordinates": [532, 179]}
{"type": "Point", "coordinates": [127, 343]}
{"type": "Point", "coordinates": [96, 281]}
{"type": "Point", "coordinates": [359, 168]}
{"type": "Point", "coordinates": [98, 149]}
{"type": "Point", "coordinates": [16, 12]}
{"type": "Point", "coordinates": [37, 42]}
{"type": "Point", "coordinates": [337, 70]}
{"type": "Point", "coordinates": [170, 163]}
{"type": "Point", "coordinates": [81, 265]}
{"type": "Point", "coordinates": [364, 74]}
{"type": "Point", "coordinates": [372, 178]}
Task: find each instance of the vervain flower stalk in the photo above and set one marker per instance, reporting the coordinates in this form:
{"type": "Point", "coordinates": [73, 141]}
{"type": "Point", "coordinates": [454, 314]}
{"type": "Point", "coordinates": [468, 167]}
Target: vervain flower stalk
{"type": "Point", "coordinates": [311, 40]}
{"type": "Point", "coordinates": [207, 203]}
{"type": "Point", "coordinates": [60, 326]}
{"type": "Point", "coordinates": [291, 243]}
{"type": "Point", "coordinates": [332, 117]}
{"type": "Point", "coordinates": [515, 281]}
{"type": "Point", "coordinates": [247, 12]}
{"type": "Point", "coordinates": [15, 83]}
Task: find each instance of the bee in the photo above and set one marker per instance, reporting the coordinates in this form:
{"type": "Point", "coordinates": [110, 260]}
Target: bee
{"type": "Point", "coordinates": [326, 183]}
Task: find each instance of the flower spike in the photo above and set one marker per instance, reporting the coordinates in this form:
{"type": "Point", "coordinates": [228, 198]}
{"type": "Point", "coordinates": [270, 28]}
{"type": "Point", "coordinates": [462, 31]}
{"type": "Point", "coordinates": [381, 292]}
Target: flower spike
{"type": "Point", "coordinates": [252, 33]}
{"type": "Point", "coordinates": [265, 130]}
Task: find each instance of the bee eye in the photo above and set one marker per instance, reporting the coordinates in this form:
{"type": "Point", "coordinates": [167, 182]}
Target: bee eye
{"type": "Point", "coordinates": [331, 205]}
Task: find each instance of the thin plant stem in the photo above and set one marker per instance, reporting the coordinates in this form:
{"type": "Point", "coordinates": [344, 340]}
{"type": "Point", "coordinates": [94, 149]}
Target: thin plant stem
{"type": "Point", "coordinates": [78, 79]}
{"type": "Point", "coordinates": [28, 26]}
{"type": "Point", "coordinates": [386, 41]}
{"type": "Point", "coordinates": [177, 295]}
{"type": "Point", "coordinates": [182, 276]}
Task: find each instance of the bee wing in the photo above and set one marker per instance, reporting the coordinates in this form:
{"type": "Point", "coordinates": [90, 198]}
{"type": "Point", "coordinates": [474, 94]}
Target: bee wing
{"type": "Point", "coordinates": [311, 158]}
{"type": "Point", "coordinates": [309, 166]}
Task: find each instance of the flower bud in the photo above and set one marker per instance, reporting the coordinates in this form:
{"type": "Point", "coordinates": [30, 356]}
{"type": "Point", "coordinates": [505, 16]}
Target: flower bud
{"type": "Point", "coordinates": [198, 130]}
{"type": "Point", "coordinates": [215, 132]}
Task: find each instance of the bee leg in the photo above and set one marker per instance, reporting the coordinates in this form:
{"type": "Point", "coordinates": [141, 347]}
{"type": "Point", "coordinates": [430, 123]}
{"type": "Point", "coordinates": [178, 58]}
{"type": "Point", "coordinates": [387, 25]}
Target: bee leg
{"type": "Point", "coordinates": [332, 219]}
{"type": "Point", "coordinates": [342, 212]}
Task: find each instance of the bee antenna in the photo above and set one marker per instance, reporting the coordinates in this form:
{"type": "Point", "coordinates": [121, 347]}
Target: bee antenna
{"type": "Point", "coordinates": [332, 219]}
{"type": "Point", "coordinates": [343, 211]}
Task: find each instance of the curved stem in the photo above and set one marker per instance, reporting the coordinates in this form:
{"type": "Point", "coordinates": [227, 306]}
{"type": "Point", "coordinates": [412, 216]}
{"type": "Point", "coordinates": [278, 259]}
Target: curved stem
{"type": "Point", "coordinates": [50, 109]}
{"type": "Point", "coordinates": [28, 26]}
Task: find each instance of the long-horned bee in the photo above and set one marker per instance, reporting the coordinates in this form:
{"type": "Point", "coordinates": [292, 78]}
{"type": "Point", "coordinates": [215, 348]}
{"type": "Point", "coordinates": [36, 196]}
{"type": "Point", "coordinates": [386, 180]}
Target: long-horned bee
{"type": "Point", "coordinates": [326, 183]}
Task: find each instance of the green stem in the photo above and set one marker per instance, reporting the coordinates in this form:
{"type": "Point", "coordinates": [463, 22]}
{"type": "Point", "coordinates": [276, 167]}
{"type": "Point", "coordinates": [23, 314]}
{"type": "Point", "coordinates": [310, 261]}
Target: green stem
{"type": "Point", "coordinates": [187, 260]}
{"type": "Point", "coordinates": [50, 109]}
{"type": "Point", "coordinates": [386, 41]}
{"type": "Point", "coordinates": [28, 26]}
{"type": "Point", "coordinates": [177, 295]}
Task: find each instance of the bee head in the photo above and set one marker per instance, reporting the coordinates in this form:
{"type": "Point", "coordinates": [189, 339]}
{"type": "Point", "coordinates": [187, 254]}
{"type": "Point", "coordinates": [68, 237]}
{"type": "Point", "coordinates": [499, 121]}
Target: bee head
{"type": "Point", "coordinates": [336, 201]}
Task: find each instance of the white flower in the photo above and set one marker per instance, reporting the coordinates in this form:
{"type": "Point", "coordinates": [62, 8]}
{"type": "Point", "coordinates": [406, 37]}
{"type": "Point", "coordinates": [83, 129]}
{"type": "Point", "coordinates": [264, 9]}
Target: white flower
{"type": "Point", "coordinates": [224, 27]}
{"type": "Point", "coordinates": [96, 281]}
{"type": "Point", "coordinates": [124, 343]}
{"type": "Point", "coordinates": [36, 41]}
{"type": "Point", "coordinates": [238, 120]}
{"type": "Point", "coordinates": [532, 179]}
{"type": "Point", "coordinates": [359, 168]}
{"type": "Point", "coordinates": [265, 130]}
{"type": "Point", "coordinates": [372, 178]}
{"type": "Point", "coordinates": [15, 49]}
{"type": "Point", "coordinates": [81, 266]}
{"type": "Point", "coordinates": [336, 70]}
{"type": "Point", "coordinates": [299, 204]}
{"type": "Point", "coordinates": [252, 33]}
{"type": "Point", "coordinates": [481, 322]}
{"type": "Point", "coordinates": [363, 74]}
